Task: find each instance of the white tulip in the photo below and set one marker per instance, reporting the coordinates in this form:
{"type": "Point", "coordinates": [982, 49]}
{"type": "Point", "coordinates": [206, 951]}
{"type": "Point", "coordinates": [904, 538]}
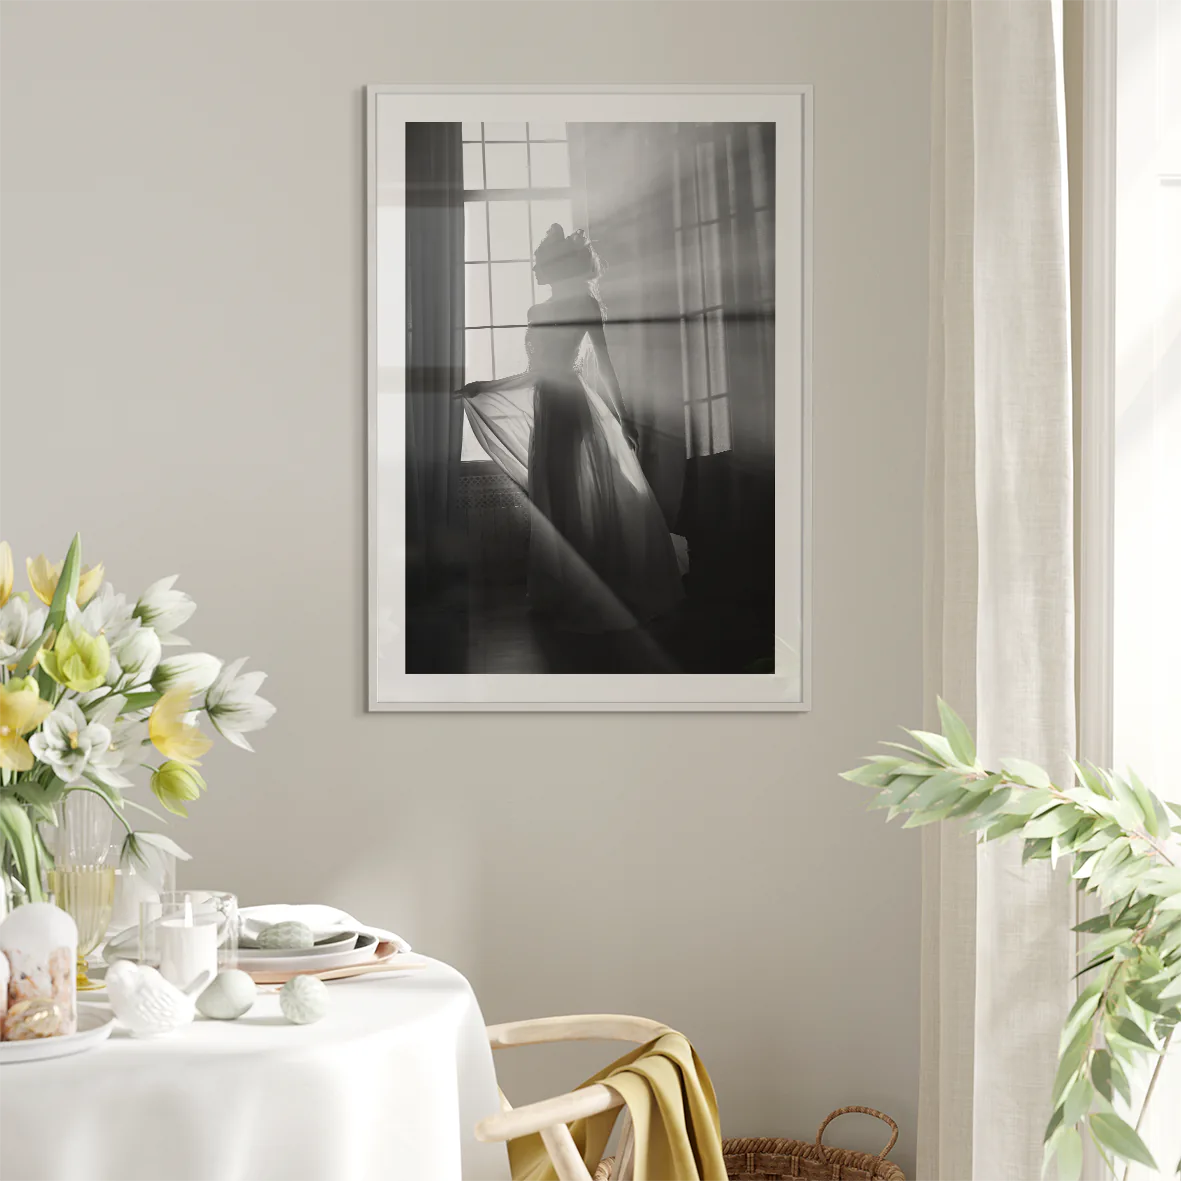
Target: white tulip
{"type": "Point", "coordinates": [164, 609]}
{"type": "Point", "coordinates": [137, 654]}
{"type": "Point", "coordinates": [66, 741]}
{"type": "Point", "coordinates": [234, 706]}
{"type": "Point", "coordinates": [107, 614]}
{"type": "Point", "coordinates": [19, 627]}
{"type": "Point", "coordinates": [198, 670]}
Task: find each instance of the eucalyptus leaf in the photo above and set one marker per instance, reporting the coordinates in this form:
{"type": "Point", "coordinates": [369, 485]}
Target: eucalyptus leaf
{"type": "Point", "coordinates": [1127, 1029]}
{"type": "Point", "coordinates": [936, 744]}
{"type": "Point", "coordinates": [1070, 1156]}
{"type": "Point", "coordinates": [958, 735]}
{"type": "Point", "coordinates": [1101, 1074]}
{"type": "Point", "coordinates": [1025, 772]}
{"type": "Point", "coordinates": [1113, 1133]}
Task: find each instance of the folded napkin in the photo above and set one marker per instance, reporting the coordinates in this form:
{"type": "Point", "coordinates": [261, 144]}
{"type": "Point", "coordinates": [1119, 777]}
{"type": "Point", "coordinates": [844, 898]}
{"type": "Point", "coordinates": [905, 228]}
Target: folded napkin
{"type": "Point", "coordinates": [324, 921]}
{"type": "Point", "coordinates": [674, 1113]}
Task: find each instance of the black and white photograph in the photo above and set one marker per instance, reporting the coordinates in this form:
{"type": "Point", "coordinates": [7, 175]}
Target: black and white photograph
{"type": "Point", "coordinates": [590, 432]}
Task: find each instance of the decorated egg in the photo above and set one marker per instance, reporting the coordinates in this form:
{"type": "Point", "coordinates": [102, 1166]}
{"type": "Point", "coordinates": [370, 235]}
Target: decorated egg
{"type": "Point", "coordinates": [303, 999]}
{"type": "Point", "coordinates": [286, 936]}
{"type": "Point", "coordinates": [229, 996]}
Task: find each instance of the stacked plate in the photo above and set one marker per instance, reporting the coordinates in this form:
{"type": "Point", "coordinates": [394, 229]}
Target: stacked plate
{"type": "Point", "coordinates": [346, 950]}
{"type": "Point", "coordinates": [95, 1023]}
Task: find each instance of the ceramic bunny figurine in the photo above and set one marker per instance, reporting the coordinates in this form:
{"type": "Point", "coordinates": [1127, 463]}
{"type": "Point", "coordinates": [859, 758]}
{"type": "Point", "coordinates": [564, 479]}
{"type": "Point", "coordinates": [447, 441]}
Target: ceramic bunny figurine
{"type": "Point", "coordinates": [146, 1003]}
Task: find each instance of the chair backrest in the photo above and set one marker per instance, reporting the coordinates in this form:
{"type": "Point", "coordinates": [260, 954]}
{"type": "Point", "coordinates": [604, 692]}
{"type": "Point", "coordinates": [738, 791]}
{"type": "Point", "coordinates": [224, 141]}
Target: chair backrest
{"type": "Point", "coordinates": [551, 1117]}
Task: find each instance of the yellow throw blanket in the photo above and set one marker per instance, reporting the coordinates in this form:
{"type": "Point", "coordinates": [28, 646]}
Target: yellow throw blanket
{"type": "Point", "coordinates": [672, 1104]}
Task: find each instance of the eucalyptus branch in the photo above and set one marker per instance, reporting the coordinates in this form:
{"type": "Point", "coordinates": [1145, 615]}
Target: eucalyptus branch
{"type": "Point", "coordinates": [1114, 832]}
{"type": "Point", "coordinates": [1156, 1070]}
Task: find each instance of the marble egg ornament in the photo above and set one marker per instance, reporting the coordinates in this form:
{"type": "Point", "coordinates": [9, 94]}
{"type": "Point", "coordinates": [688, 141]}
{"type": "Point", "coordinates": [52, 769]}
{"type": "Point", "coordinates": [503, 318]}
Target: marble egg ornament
{"type": "Point", "coordinates": [304, 999]}
{"type": "Point", "coordinates": [229, 996]}
{"type": "Point", "coordinates": [289, 936]}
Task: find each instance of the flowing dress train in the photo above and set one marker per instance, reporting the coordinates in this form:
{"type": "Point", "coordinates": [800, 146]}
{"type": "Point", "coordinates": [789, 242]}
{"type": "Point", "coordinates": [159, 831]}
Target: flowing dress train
{"type": "Point", "coordinates": [600, 554]}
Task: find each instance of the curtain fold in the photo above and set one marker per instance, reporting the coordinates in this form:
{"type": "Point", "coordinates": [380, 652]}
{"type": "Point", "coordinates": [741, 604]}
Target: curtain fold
{"type": "Point", "coordinates": [999, 600]}
{"type": "Point", "coordinates": [434, 353]}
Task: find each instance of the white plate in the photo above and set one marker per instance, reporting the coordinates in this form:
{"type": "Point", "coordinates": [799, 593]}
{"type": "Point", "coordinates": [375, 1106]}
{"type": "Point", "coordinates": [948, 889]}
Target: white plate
{"type": "Point", "coordinates": [346, 941]}
{"type": "Point", "coordinates": [95, 1023]}
{"type": "Point", "coordinates": [305, 961]}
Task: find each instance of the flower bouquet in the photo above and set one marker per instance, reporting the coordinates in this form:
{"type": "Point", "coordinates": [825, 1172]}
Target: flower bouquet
{"type": "Point", "coordinates": [88, 697]}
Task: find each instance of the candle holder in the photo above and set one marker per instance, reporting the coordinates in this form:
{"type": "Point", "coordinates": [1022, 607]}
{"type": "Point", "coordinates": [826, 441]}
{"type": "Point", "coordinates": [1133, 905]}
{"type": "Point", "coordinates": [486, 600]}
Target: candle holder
{"type": "Point", "coordinates": [185, 933]}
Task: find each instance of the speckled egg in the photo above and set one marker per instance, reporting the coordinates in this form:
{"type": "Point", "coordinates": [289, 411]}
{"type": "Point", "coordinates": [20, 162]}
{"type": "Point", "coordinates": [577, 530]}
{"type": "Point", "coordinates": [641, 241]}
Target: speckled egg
{"type": "Point", "coordinates": [286, 937]}
{"type": "Point", "coordinates": [229, 996]}
{"type": "Point", "coordinates": [303, 999]}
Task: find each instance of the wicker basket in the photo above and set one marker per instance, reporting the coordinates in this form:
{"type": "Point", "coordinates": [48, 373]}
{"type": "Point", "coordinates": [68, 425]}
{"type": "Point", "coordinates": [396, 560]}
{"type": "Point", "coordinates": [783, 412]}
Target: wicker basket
{"type": "Point", "coordinates": [771, 1159]}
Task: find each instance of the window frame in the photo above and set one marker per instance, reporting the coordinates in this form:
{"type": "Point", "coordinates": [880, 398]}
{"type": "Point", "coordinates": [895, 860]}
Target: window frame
{"type": "Point", "coordinates": [486, 196]}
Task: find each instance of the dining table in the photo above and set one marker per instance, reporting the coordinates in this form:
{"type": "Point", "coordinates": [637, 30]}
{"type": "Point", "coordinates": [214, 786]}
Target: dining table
{"type": "Point", "coordinates": [389, 1085]}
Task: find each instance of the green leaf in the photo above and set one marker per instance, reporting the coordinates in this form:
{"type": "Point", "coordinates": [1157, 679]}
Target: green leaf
{"type": "Point", "coordinates": [1078, 1101]}
{"type": "Point", "coordinates": [17, 829]}
{"type": "Point", "coordinates": [1113, 1133]}
{"type": "Point", "coordinates": [867, 775]}
{"type": "Point", "coordinates": [936, 744]}
{"type": "Point", "coordinates": [1089, 779]}
{"type": "Point", "coordinates": [1149, 804]}
{"type": "Point", "coordinates": [1080, 1012]}
{"type": "Point", "coordinates": [1070, 1156]}
{"type": "Point", "coordinates": [1101, 922]}
{"type": "Point", "coordinates": [1108, 940]}
{"type": "Point", "coordinates": [990, 807]}
{"type": "Point", "coordinates": [130, 803]}
{"type": "Point", "coordinates": [958, 735]}
{"type": "Point", "coordinates": [1027, 801]}
{"type": "Point", "coordinates": [1036, 850]}
{"type": "Point", "coordinates": [931, 815]}
{"type": "Point", "coordinates": [164, 843]}
{"type": "Point", "coordinates": [1069, 1064]}
{"type": "Point", "coordinates": [138, 701]}
{"type": "Point", "coordinates": [67, 586]}
{"type": "Point", "coordinates": [1004, 826]}
{"type": "Point", "coordinates": [1101, 1074]}
{"type": "Point", "coordinates": [1050, 824]}
{"type": "Point", "coordinates": [1054, 1124]}
{"type": "Point", "coordinates": [1025, 772]}
{"type": "Point", "coordinates": [1119, 1080]}
{"type": "Point", "coordinates": [1127, 1029]}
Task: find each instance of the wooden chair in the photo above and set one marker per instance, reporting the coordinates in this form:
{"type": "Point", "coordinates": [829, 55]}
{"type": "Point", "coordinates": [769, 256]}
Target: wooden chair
{"type": "Point", "coordinates": [551, 1117]}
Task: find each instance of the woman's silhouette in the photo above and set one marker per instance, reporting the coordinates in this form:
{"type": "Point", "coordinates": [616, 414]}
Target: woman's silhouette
{"type": "Point", "coordinates": [600, 554]}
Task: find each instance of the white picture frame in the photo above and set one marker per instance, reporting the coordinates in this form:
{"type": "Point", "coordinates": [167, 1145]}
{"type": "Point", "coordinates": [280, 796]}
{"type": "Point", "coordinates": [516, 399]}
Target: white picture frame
{"type": "Point", "coordinates": [390, 685]}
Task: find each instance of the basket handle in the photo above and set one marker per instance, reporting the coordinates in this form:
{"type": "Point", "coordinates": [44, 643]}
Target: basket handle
{"type": "Point", "coordinates": [863, 1111]}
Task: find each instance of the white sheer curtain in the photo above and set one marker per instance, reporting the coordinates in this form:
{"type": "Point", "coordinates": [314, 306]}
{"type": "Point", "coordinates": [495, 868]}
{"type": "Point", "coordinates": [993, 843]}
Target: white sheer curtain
{"type": "Point", "coordinates": [999, 587]}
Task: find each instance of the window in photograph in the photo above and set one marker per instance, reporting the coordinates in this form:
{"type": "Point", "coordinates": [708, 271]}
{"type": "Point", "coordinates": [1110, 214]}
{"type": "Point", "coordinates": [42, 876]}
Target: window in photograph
{"type": "Point", "coordinates": [516, 179]}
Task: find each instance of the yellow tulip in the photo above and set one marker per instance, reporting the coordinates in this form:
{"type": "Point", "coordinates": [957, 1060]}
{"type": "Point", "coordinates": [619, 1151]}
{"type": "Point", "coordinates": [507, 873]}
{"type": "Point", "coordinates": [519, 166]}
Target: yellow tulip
{"type": "Point", "coordinates": [21, 710]}
{"type": "Point", "coordinates": [43, 576]}
{"type": "Point", "coordinates": [77, 659]}
{"type": "Point", "coordinates": [5, 572]}
{"type": "Point", "coordinates": [171, 735]}
{"type": "Point", "coordinates": [173, 783]}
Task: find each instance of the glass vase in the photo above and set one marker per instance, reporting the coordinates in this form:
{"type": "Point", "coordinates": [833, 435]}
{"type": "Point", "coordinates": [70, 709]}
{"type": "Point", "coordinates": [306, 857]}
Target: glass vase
{"type": "Point", "coordinates": [82, 880]}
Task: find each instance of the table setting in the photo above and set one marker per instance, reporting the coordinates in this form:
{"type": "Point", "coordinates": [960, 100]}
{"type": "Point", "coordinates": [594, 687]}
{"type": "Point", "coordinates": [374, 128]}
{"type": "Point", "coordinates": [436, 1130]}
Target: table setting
{"type": "Point", "coordinates": [156, 1031]}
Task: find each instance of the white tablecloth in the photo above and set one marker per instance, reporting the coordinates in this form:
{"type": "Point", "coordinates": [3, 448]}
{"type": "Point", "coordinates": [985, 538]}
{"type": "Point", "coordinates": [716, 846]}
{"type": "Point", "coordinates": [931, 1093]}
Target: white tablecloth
{"type": "Point", "coordinates": [388, 1086]}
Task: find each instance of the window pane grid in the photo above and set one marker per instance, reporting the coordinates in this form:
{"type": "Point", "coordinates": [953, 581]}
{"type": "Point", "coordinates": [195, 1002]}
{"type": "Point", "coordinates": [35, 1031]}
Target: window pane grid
{"type": "Point", "coordinates": [500, 171]}
{"type": "Point", "coordinates": [700, 231]}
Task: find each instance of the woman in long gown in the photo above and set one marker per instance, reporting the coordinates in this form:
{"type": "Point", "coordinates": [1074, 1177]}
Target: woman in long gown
{"type": "Point", "coordinates": [600, 554]}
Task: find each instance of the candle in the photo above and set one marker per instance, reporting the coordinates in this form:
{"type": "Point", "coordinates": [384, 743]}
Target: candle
{"type": "Point", "coordinates": [187, 949]}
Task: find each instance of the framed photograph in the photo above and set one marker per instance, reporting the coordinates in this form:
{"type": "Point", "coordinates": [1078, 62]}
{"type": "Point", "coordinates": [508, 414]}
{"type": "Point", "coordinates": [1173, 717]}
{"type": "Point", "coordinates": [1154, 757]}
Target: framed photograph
{"type": "Point", "coordinates": [589, 381]}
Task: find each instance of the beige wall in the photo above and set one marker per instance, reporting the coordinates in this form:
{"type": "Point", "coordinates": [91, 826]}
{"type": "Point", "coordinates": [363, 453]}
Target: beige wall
{"type": "Point", "coordinates": [183, 381]}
